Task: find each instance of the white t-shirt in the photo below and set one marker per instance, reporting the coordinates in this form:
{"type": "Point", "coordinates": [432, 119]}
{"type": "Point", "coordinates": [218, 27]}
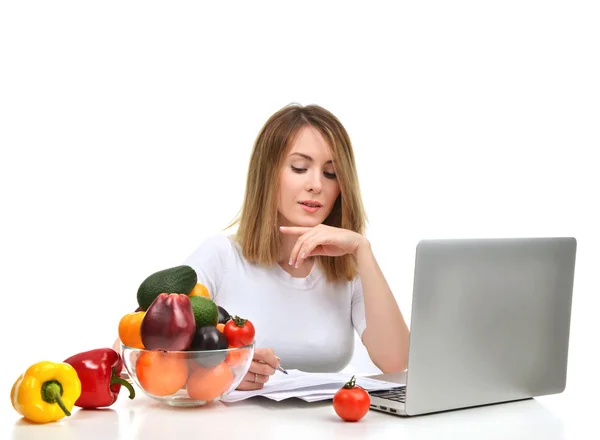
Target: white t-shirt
{"type": "Point", "coordinates": [308, 322]}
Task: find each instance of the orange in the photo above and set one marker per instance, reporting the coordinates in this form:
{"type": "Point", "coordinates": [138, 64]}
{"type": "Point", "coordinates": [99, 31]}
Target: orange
{"type": "Point", "coordinates": [129, 329]}
{"type": "Point", "coordinates": [208, 383]}
{"type": "Point", "coordinates": [192, 365]}
{"type": "Point", "coordinates": [161, 374]}
{"type": "Point", "coordinates": [200, 290]}
{"type": "Point", "coordinates": [236, 357]}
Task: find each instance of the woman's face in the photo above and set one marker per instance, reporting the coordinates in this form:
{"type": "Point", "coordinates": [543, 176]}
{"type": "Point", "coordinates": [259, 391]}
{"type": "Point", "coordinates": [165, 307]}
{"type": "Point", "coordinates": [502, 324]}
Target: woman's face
{"type": "Point", "coordinates": [308, 184]}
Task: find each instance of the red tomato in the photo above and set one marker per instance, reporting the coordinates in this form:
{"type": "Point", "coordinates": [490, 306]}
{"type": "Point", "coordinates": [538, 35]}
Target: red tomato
{"type": "Point", "coordinates": [351, 402]}
{"type": "Point", "coordinates": [239, 332]}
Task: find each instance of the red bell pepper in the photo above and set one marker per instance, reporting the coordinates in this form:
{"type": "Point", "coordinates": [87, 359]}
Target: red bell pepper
{"type": "Point", "coordinates": [99, 372]}
{"type": "Point", "coordinates": [169, 323]}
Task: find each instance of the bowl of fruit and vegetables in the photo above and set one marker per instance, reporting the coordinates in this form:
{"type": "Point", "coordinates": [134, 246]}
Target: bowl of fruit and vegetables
{"type": "Point", "coordinates": [179, 347]}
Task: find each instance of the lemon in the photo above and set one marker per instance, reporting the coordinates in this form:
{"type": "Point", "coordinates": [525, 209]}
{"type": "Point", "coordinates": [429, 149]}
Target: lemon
{"type": "Point", "coordinates": [200, 290]}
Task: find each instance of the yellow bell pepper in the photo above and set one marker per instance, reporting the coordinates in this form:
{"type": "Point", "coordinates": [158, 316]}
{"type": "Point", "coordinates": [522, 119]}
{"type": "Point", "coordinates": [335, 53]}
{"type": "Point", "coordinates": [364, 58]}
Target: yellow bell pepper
{"type": "Point", "coordinates": [46, 391]}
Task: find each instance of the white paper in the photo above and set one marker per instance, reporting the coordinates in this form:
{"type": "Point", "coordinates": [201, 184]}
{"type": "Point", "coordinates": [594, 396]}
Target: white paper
{"type": "Point", "coordinates": [310, 387]}
{"type": "Point", "coordinates": [316, 397]}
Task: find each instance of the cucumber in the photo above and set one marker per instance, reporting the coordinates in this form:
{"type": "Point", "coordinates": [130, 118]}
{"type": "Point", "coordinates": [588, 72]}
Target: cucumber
{"type": "Point", "coordinates": [178, 279]}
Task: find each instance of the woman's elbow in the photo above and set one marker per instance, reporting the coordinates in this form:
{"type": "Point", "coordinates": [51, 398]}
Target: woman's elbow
{"type": "Point", "coordinates": [389, 362]}
{"type": "Point", "coordinates": [386, 359]}
{"type": "Point", "coordinates": [393, 365]}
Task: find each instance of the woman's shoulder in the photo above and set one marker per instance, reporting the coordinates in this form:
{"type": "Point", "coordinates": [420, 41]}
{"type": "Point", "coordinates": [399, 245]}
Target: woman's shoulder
{"type": "Point", "coordinates": [218, 241]}
{"type": "Point", "coordinates": [215, 247]}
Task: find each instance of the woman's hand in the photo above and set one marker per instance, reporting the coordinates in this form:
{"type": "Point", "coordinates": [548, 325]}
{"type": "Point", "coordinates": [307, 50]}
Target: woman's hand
{"type": "Point", "coordinates": [262, 368]}
{"type": "Point", "coordinates": [322, 240]}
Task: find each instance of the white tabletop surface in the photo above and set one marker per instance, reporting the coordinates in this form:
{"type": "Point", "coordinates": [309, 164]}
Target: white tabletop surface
{"type": "Point", "coordinates": [563, 416]}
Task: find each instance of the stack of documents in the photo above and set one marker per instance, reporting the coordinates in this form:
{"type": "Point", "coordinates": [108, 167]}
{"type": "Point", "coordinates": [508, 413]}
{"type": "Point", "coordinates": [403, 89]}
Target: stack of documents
{"type": "Point", "coordinates": [310, 387]}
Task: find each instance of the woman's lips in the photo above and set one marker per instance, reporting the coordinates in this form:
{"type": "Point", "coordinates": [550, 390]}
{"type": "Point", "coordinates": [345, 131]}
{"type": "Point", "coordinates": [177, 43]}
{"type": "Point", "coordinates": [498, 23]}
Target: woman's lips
{"type": "Point", "coordinates": [310, 206]}
{"type": "Point", "coordinates": [311, 209]}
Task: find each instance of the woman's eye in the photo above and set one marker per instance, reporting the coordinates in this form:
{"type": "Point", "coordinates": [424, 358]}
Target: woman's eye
{"type": "Point", "coordinates": [303, 170]}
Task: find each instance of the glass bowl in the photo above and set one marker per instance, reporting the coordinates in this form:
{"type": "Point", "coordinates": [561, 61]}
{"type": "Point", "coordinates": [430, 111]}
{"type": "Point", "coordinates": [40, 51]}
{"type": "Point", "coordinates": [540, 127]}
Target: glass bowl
{"type": "Point", "coordinates": [187, 378]}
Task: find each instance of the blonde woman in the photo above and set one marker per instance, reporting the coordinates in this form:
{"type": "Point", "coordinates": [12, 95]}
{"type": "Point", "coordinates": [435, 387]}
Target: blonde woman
{"type": "Point", "coordinates": [299, 265]}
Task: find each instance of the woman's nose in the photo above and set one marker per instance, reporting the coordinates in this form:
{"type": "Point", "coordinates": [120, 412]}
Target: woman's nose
{"type": "Point", "coordinates": [315, 184]}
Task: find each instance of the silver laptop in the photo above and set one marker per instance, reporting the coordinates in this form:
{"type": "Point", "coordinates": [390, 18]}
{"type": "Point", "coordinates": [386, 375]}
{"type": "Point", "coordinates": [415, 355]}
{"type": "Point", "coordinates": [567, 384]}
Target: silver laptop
{"type": "Point", "coordinates": [489, 324]}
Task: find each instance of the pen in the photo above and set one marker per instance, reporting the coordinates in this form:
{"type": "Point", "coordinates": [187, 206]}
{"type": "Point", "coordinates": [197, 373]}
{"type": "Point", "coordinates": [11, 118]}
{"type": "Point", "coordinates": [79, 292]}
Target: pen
{"type": "Point", "coordinates": [278, 367]}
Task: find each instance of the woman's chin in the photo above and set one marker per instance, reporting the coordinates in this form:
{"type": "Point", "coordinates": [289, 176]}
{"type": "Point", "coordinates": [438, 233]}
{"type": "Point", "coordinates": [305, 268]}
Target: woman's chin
{"type": "Point", "coordinates": [304, 222]}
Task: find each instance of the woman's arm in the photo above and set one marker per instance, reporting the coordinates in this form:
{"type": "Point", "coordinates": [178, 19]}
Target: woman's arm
{"type": "Point", "coordinates": [386, 336]}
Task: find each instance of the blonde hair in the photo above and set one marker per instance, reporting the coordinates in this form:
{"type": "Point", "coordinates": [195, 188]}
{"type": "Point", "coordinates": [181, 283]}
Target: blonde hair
{"type": "Point", "coordinates": [258, 234]}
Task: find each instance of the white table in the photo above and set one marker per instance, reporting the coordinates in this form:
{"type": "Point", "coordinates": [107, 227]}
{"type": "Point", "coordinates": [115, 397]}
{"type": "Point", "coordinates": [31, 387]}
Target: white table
{"type": "Point", "coordinates": [562, 416]}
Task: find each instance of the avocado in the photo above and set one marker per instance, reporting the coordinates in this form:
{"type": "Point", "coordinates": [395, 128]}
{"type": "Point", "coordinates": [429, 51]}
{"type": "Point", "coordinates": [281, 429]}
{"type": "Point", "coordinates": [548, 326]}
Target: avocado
{"type": "Point", "coordinates": [205, 311]}
{"type": "Point", "coordinates": [178, 279]}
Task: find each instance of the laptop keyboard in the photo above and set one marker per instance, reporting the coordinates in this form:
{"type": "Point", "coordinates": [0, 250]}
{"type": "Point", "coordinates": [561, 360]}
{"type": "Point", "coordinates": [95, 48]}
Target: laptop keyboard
{"type": "Point", "coordinates": [395, 394]}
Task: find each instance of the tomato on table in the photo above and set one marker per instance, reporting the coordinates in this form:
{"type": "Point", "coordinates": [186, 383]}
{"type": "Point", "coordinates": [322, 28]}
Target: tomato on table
{"type": "Point", "coordinates": [239, 332]}
{"type": "Point", "coordinates": [351, 402]}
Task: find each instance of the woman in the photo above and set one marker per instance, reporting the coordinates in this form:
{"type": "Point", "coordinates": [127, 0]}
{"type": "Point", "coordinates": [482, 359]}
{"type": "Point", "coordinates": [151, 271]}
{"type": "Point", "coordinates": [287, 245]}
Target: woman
{"type": "Point", "coordinates": [299, 266]}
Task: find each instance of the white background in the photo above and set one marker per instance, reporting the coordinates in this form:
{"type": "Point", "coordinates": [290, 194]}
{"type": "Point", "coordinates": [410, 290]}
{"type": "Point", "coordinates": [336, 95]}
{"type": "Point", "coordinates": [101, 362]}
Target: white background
{"type": "Point", "coordinates": [126, 129]}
